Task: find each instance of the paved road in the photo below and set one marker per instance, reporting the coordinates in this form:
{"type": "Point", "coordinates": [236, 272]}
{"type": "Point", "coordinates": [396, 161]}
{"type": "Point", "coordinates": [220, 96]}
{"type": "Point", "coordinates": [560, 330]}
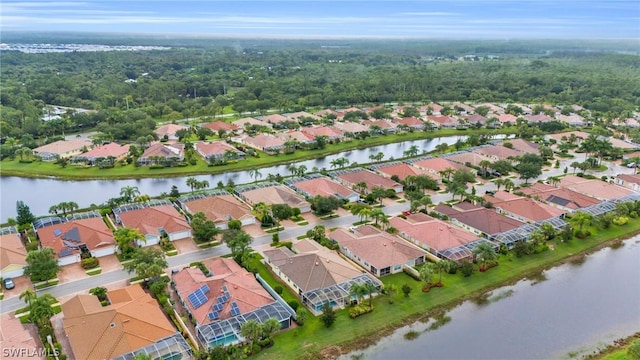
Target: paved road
{"type": "Point", "coordinates": [182, 260]}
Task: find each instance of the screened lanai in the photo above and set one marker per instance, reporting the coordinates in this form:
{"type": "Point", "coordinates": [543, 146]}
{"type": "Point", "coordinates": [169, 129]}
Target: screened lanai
{"type": "Point", "coordinates": [174, 347]}
{"type": "Point", "coordinates": [509, 238]}
{"type": "Point", "coordinates": [336, 295]}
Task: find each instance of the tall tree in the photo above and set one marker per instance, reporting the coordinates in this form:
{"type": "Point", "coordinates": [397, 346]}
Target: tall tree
{"type": "Point", "coordinates": [485, 252]}
{"type": "Point", "coordinates": [237, 241]}
{"type": "Point", "coordinates": [581, 219]}
{"type": "Point", "coordinates": [147, 263]}
{"type": "Point", "coordinates": [251, 330]}
{"type": "Point", "coordinates": [126, 239]}
{"type": "Point", "coordinates": [129, 192]}
{"type": "Point", "coordinates": [204, 230]}
{"type": "Point", "coordinates": [42, 265]}
{"type": "Point", "coordinates": [24, 213]}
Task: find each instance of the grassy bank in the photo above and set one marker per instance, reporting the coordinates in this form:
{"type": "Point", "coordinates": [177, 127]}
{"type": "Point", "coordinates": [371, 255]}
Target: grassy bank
{"type": "Point", "coordinates": [313, 340]}
{"type": "Point", "coordinates": [71, 172]}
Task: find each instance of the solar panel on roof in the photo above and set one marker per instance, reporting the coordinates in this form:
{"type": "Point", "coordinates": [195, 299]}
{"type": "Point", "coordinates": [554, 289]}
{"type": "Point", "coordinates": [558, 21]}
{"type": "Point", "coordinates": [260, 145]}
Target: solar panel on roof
{"type": "Point", "coordinates": [57, 232]}
{"type": "Point", "coordinates": [72, 235]}
{"type": "Point", "coordinates": [235, 312]}
{"type": "Point", "coordinates": [213, 315]}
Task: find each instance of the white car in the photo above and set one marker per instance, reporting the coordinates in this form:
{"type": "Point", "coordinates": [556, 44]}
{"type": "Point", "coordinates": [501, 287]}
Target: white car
{"type": "Point", "coordinates": [631, 165]}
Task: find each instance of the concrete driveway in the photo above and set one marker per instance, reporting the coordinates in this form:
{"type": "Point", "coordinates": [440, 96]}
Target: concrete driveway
{"type": "Point", "coordinates": [22, 283]}
{"type": "Point", "coordinates": [72, 273]}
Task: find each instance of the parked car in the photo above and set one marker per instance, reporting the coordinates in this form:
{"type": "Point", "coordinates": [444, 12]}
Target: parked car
{"type": "Point", "coordinates": [630, 165]}
{"type": "Point", "coordinates": [8, 283]}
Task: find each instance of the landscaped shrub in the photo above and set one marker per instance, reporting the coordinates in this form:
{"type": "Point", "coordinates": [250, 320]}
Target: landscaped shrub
{"type": "Point", "coordinates": [359, 310]}
{"type": "Point", "coordinates": [90, 263]}
{"type": "Point", "coordinates": [467, 269]}
{"type": "Point", "coordinates": [406, 289]}
{"type": "Point", "coordinates": [621, 220]}
{"type": "Point", "coordinates": [294, 304]}
{"type": "Point", "coordinates": [278, 289]}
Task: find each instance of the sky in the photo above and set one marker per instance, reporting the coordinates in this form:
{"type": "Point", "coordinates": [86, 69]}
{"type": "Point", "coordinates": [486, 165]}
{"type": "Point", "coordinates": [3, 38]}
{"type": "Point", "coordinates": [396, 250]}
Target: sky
{"type": "Point", "coordinates": [492, 19]}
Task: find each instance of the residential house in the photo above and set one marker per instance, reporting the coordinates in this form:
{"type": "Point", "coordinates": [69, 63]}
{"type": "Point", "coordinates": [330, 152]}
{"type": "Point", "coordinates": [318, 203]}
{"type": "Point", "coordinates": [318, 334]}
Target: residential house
{"type": "Point", "coordinates": [377, 251]}
{"type": "Point", "coordinates": [219, 208]}
{"type": "Point", "coordinates": [497, 152]}
{"type": "Point", "coordinates": [301, 114]}
{"type": "Point", "coordinates": [158, 153]}
{"type": "Point", "coordinates": [431, 109]}
{"type": "Point", "coordinates": [71, 237]}
{"type": "Point", "coordinates": [221, 300]}
{"type": "Point", "coordinates": [297, 136]}
{"type": "Point", "coordinates": [443, 121]}
{"type": "Point", "coordinates": [244, 122]}
{"type": "Point", "coordinates": [437, 166]}
{"type": "Point", "coordinates": [19, 341]}
{"type": "Point", "coordinates": [554, 110]}
{"type": "Point", "coordinates": [217, 126]}
{"type": "Point", "coordinates": [351, 128]}
{"type": "Point", "coordinates": [524, 146]}
{"type": "Point", "coordinates": [440, 239]}
{"type": "Point", "coordinates": [475, 119]}
{"type": "Point", "coordinates": [275, 119]}
{"type": "Point", "coordinates": [352, 178]}
{"type": "Point", "coordinates": [467, 158]}
{"type": "Point", "coordinates": [539, 118]}
{"type": "Point", "coordinates": [12, 253]}
{"type": "Point", "coordinates": [132, 324]}
{"type": "Point", "coordinates": [271, 194]}
{"type": "Point", "coordinates": [329, 132]}
{"type": "Point", "coordinates": [595, 188]}
{"type": "Point", "coordinates": [572, 120]}
{"type": "Point", "coordinates": [410, 122]}
{"type": "Point", "coordinates": [629, 181]}
{"type": "Point", "coordinates": [479, 220]}
{"type": "Point", "coordinates": [218, 150]}
{"type": "Point", "coordinates": [169, 131]}
{"type": "Point", "coordinates": [325, 112]}
{"type": "Point", "coordinates": [154, 221]}
{"type": "Point", "coordinates": [630, 122]}
{"type": "Point", "coordinates": [580, 135]}
{"type": "Point", "coordinates": [110, 150]}
{"type": "Point", "coordinates": [264, 142]}
{"type": "Point", "coordinates": [323, 186]}
{"type": "Point", "coordinates": [564, 199]}
{"type": "Point", "coordinates": [316, 274]}
{"type": "Point", "coordinates": [62, 149]}
{"type": "Point", "coordinates": [402, 170]}
{"type": "Point", "coordinates": [506, 119]}
{"type": "Point", "coordinates": [462, 109]}
{"type": "Point", "coordinates": [617, 143]}
{"type": "Point", "coordinates": [493, 109]}
{"type": "Point", "coordinates": [525, 209]}
{"type": "Point", "coordinates": [382, 126]}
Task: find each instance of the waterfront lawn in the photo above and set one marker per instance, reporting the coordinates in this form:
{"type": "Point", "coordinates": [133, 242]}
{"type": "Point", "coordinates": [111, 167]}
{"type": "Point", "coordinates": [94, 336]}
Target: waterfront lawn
{"type": "Point", "coordinates": [306, 341]}
{"type": "Point", "coordinates": [41, 169]}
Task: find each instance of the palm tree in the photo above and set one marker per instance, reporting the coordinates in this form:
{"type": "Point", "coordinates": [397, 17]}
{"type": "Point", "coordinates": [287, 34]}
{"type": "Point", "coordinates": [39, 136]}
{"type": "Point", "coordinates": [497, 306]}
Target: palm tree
{"type": "Point", "coordinates": [581, 219]}
{"type": "Point", "coordinates": [270, 327]}
{"type": "Point", "coordinates": [357, 291]}
{"type": "Point", "coordinates": [442, 266]}
{"type": "Point", "coordinates": [255, 173]}
{"type": "Point", "coordinates": [129, 192]}
{"type": "Point", "coordinates": [384, 222]}
{"type": "Point", "coordinates": [447, 172]}
{"type": "Point", "coordinates": [442, 148]}
{"type": "Point", "coordinates": [53, 209]}
{"type": "Point", "coordinates": [425, 201]}
{"type": "Point", "coordinates": [484, 164]}
{"type": "Point", "coordinates": [302, 169]}
{"type": "Point", "coordinates": [426, 273]}
{"type": "Point", "coordinates": [369, 289]}
{"type": "Point", "coordinates": [413, 150]}
{"type": "Point", "coordinates": [293, 169]}
{"type": "Point", "coordinates": [391, 291]}
{"type": "Point", "coordinates": [25, 152]}
{"type": "Point", "coordinates": [377, 215]}
{"type": "Point", "coordinates": [361, 187]}
{"type": "Point", "coordinates": [575, 165]}
{"type": "Point", "coordinates": [339, 162]}
{"type": "Point", "coordinates": [554, 181]}
{"type": "Point", "coordinates": [485, 252]}
{"type": "Point", "coordinates": [40, 310]}
{"type": "Point", "coordinates": [509, 184]}
{"type": "Point", "coordinates": [28, 296]}
{"type": "Point", "coordinates": [251, 330]}
{"type": "Point", "coordinates": [499, 182]}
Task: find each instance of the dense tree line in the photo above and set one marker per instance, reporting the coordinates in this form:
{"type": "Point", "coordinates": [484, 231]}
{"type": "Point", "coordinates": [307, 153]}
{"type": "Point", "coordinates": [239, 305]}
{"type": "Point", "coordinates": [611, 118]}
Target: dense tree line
{"type": "Point", "coordinates": [202, 80]}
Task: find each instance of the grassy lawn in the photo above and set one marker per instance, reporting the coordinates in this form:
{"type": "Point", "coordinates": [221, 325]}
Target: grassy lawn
{"type": "Point", "coordinates": [305, 341]}
{"type": "Point", "coordinates": [46, 169]}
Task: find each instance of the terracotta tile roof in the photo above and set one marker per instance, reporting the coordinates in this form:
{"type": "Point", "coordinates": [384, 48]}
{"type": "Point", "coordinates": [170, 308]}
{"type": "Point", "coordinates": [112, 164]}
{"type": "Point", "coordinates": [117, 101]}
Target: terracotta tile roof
{"type": "Point", "coordinates": [220, 125]}
{"type": "Point", "coordinates": [251, 121]}
{"type": "Point", "coordinates": [594, 188]}
{"type": "Point", "coordinates": [324, 187]}
{"type": "Point", "coordinates": [379, 249]}
{"type": "Point", "coordinates": [350, 127]}
{"type": "Point", "coordinates": [409, 121]}
{"type": "Point", "coordinates": [559, 196]}
{"type": "Point", "coordinates": [438, 164]}
{"type": "Point", "coordinates": [466, 107]}
{"type": "Point", "coordinates": [442, 120]}
{"type": "Point", "coordinates": [571, 119]}
{"type": "Point", "coordinates": [15, 335]}
{"type": "Point", "coordinates": [528, 209]}
{"type": "Point", "coordinates": [63, 146]}
{"type": "Point", "coordinates": [214, 148]}
{"type": "Point", "coordinates": [538, 118]}
{"type": "Point", "coordinates": [297, 115]}
{"type": "Point", "coordinates": [316, 270]}
{"type": "Point", "coordinates": [466, 206]}
{"type": "Point", "coordinates": [435, 106]}
{"type": "Point", "coordinates": [382, 124]}
{"type": "Point", "coordinates": [631, 178]}
{"type": "Point", "coordinates": [631, 155]}
{"type": "Point", "coordinates": [110, 149]}
{"type": "Point", "coordinates": [322, 131]}
{"type": "Point", "coordinates": [445, 210]}
{"type": "Point", "coordinates": [344, 111]}
{"type": "Point", "coordinates": [492, 107]}
{"type": "Point", "coordinates": [297, 135]}
{"type": "Point", "coordinates": [164, 150]}
{"type": "Point", "coordinates": [558, 136]}
{"type": "Point", "coordinates": [264, 141]}
{"type": "Point", "coordinates": [497, 151]}
{"type": "Point", "coordinates": [431, 233]}
{"type": "Point", "coordinates": [275, 119]}
{"type": "Point", "coordinates": [169, 129]}
{"type": "Point", "coordinates": [278, 194]}
{"type": "Point", "coordinates": [12, 252]}
{"type": "Point", "coordinates": [324, 112]}
{"type": "Point", "coordinates": [370, 178]}
{"type": "Point", "coordinates": [502, 195]}
{"type": "Point", "coordinates": [402, 170]}
{"type": "Point", "coordinates": [486, 221]}
{"type": "Point", "coordinates": [241, 285]}
{"type": "Point", "coordinates": [150, 219]}
{"type": "Point", "coordinates": [97, 332]}
{"type": "Point", "coordinates": [476, 119]}
{"type": "Point", "coordinates": [617, 143]}
{"type": "Point", "coordinates": [220, 208]}
{"type": "Point", "coordinates": [63, 238]}
{"type": "Point", "coordinates": [468, 157]}
{"type": "Point", "coordinates": [506, 118]}
{"type": "Point", "coordinates": [524, 146]}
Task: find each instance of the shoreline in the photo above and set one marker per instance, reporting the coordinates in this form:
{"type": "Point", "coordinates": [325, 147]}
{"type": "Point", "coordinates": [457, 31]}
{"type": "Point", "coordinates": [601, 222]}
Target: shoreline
{"type": "Point", "coordinates": [367, 340]}
{"type": "Point", "coordinates": [265, 159]}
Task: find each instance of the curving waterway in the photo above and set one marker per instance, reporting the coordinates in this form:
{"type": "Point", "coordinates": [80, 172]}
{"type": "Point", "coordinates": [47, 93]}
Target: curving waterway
{"type": "Point", "coordinates": [40, 194]}
{"type": "Point", "coordinates": [567, 312]}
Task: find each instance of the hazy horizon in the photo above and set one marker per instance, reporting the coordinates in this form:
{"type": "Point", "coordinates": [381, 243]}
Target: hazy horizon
{"type": "Point", "coordinates": [436, 19]}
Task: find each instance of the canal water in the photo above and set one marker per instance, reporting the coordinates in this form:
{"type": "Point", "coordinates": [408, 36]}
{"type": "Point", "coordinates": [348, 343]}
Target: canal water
{"type": "Point", "coordinates": [40, 194]}
{"type": "Point", "coordinates": [564, 313]}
